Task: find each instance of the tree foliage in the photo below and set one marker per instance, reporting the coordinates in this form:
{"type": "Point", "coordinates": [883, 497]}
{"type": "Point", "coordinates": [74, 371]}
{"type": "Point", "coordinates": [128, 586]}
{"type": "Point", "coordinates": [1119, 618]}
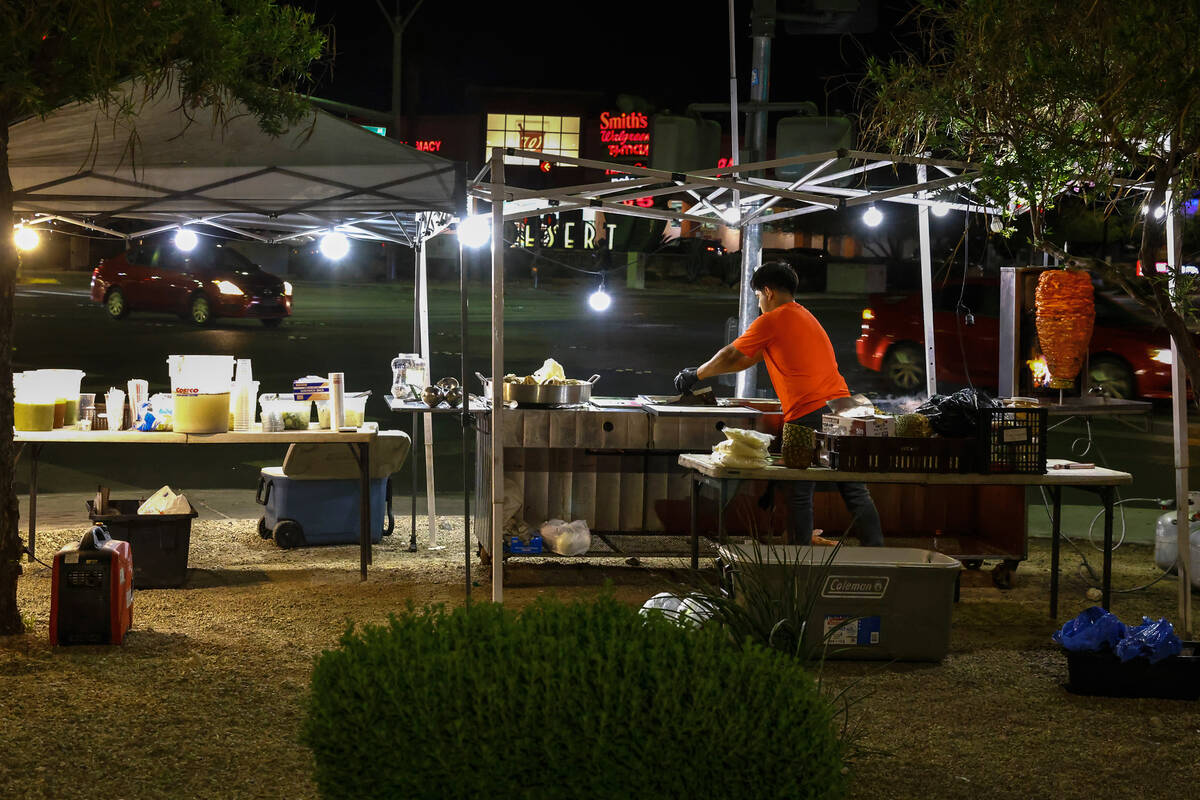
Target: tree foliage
{"type": "Point", "coordinates": [252, 56]}
{"type": "Point", "coordinates": [1081, 99]}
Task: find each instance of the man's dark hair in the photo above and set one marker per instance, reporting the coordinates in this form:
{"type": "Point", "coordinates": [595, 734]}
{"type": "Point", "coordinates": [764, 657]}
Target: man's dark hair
{"type": "Point", "coordinates": [777, 275]}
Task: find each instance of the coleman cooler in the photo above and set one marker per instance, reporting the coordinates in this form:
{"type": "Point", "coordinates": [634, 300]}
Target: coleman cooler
{"type": "Point", "coordinates": [892, 603]}
{"type": "Point", "coordinates": [91, 591]}
{"type": "Point", "coordinates": [313, 497]}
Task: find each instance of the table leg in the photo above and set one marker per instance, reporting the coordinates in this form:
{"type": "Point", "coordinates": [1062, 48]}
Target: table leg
{"type": "Point", "coordinates": [34, 451]}
{"type": "Point", "coordinates": [364, 508]}
{"type": "Point", "coordinates": [695, 501]}
{"type": "Point", "coordinates": [412, 460]}
{"type": "Point", "coordinates": [1055, 535]}
{"type": "Point", "coordinates": [1106, 494]}
{"type": "Point", "coordinates": [722, 501]}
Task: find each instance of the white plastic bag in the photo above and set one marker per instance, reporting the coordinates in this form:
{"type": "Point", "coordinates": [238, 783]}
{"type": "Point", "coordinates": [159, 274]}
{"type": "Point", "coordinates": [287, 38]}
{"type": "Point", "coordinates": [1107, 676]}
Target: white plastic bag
{"type": "Point", "coordinates": [739, 449]}
{"type": "Point", "coordinates": [691, 610]}
{"type": "Point", "coordinates": [165, 501]}
{"type": "Point", "coordinates": [566, 538]}
{"type": "Point", "coordinates": [749, 438]}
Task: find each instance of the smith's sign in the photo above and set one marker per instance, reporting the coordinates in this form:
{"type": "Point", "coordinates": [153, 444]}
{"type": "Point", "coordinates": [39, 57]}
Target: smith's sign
{"type": "Point", "coordinates": [862, 588]}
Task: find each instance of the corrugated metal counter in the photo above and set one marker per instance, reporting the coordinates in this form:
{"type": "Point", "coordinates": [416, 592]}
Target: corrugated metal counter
{"type": "Point", "coordinates": [616, 468]}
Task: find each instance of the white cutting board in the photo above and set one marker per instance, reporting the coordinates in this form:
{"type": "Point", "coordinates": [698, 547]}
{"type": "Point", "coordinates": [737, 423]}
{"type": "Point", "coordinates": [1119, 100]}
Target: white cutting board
{"type": "Point", "coordinates": [702, 411]}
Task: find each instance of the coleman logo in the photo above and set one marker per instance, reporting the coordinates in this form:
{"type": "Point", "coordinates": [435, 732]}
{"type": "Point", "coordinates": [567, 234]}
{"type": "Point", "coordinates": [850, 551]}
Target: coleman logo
{"type": "Point", "coordinates": [859, 587]}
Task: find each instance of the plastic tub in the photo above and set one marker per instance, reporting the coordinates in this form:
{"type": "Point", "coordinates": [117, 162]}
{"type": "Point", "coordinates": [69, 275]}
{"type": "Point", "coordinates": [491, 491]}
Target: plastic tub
{"type": "Point", "coordinates": [64, 383]}
{"type": "Point", "coordinates": [356, 411]}
{"type": "Point", "coordinates": [292, 414]}
{"type": "Point", "coordinates": [201, 387]}
{"type": "Point", "coordinates": [159, 542]}
{"type": "Point", "coordinates": [33, 402]}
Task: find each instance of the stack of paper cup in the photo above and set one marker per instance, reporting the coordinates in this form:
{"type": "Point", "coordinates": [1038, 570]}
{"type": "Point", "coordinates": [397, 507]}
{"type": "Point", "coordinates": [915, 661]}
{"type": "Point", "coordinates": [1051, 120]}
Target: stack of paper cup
{"type": "Point", "coordinates": [139, 393]}
{"type": "Point", "coordinates": [337, 400]}
{"type": "Point", "coordinates": [245, 398]}
{"type": "Point", "coordinates": [114, 401]}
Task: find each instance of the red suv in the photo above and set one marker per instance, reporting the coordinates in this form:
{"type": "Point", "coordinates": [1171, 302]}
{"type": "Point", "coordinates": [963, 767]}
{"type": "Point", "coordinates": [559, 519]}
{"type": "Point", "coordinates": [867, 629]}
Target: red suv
{"type": "Point", "coordinates": [1130, 355]}
{"type": "Point", "coordinates": [213, 280]}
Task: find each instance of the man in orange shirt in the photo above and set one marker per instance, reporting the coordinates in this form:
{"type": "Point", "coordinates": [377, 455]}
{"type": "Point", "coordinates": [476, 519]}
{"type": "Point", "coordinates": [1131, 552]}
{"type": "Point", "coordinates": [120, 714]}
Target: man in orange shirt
{"type": "Point", "coordinates": [804, 372]}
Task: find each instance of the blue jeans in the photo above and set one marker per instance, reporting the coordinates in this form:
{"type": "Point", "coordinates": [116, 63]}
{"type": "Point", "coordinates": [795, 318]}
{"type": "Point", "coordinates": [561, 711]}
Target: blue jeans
{"type": "Point", "coordinates": [865, 517]}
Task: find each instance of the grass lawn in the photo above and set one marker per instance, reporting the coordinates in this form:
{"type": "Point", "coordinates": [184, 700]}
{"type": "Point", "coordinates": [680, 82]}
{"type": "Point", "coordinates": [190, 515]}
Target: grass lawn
{"type": "Point", "coordinates": [206, 697]}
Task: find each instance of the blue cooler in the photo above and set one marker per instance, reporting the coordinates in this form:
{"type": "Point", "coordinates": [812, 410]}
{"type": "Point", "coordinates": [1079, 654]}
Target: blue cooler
{"type": "Point", "coordinates": [313, 498]}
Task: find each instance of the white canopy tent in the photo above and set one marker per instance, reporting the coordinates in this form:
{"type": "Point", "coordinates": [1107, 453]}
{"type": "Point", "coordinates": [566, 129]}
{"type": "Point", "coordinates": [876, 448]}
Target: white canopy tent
{"type": "Point", "coordinates": [85, 165]}
{"type": "Point", "coordinates": [720, 195]}
{"type": "Point", "coordinates": [163, 166]}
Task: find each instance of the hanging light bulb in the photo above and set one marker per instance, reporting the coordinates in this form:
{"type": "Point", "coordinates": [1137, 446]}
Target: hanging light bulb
{"type": "Point", "coordinates": [600, 300]}
{"type": "Point", "coordinates": [335, 246]}
{"type": "Point", "coordinates": [476, 231]}
{"type": "Point", "coordinates": [1160, 212]}
{"type": "Point", "coordinates": [873, 216]}
{"type": "Point", "coordinates": [940, 209]}
{"type": "Point", "coordinates": [186, 240]}
{"type": "Point", "coordinates": [997, 225]}
{"type": "Point", "coordinates": [26, 238]}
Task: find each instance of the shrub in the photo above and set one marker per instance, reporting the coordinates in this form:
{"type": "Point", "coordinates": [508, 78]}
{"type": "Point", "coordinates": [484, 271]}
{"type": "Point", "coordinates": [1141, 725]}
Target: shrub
{"type": "Point", "coordinates": [777, 590]}
{"type": "Point", "coordinates": [583, 700]}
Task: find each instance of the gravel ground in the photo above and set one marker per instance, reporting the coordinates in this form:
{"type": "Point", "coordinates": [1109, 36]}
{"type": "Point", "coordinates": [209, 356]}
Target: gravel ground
{"type": "Point", "coordinates": [205, 698]}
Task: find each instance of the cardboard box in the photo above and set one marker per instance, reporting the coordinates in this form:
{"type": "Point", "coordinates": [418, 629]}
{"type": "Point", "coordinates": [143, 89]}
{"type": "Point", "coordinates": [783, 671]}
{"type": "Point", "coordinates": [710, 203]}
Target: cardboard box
{"type": "Point", "coordinates": [878, 425]}
{"type": "Point", "coordinates": [311, 387]}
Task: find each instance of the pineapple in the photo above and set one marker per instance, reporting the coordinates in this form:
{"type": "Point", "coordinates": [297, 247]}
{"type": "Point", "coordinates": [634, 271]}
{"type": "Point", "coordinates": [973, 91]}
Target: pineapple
{"type": "Point", "coordinates": [913, 425]}
{"type": "Point", "coordinates": [799, 443]}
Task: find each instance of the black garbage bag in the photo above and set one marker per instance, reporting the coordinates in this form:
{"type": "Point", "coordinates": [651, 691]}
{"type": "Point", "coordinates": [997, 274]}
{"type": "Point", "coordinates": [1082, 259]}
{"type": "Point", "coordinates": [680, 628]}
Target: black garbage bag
{"type": "Point", "coordinates": [956, 415]}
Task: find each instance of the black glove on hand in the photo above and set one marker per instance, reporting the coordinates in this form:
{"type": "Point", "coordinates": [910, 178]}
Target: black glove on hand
{"type": "Point", "coordinates": [685, 380]}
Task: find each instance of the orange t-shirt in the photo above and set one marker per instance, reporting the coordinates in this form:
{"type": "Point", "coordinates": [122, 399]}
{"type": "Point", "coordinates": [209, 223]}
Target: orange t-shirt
{"type": "Point", "coordinates": [799, 358]}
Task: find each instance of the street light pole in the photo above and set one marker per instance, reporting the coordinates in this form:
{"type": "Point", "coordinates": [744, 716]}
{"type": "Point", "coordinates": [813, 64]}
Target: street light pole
{"type": "Point", "coordinates": [763, 18]}
{"type": "Point", "coordinates": [398, 23]}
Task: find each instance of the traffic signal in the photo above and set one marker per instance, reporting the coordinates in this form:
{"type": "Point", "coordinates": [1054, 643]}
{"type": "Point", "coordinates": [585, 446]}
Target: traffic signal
{"type": "Point", "coordinates": [801, 136]}
{"type": "Point", "coordinates": [545, 166]}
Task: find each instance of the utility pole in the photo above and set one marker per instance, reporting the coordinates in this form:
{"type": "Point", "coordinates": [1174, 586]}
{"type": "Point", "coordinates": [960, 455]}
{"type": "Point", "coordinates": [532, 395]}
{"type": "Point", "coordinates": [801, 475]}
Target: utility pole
{"type": "Point", "coordinates": [762, 29]}
{"type": "Point", "coordinates": [398, 22]}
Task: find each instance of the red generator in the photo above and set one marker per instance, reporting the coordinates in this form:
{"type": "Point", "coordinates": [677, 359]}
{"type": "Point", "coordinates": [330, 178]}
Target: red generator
{"type": "Point", "coordinates": [91, 599]}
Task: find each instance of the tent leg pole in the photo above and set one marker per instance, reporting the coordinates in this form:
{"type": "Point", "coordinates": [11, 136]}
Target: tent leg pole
{"type": "Point", "coordinates": [497, 375]}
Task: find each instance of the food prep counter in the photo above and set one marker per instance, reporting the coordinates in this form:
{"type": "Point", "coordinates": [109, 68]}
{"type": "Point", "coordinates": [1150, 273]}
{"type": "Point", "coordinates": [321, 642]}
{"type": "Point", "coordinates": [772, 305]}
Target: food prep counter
{"type": "Point", "coordinates": [614, 466]}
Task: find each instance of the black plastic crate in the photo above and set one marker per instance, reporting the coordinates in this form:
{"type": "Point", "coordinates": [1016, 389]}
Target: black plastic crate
{"type": "Point", "coordinates": [1011, 440]}
{"type": "Point", "coordinates": [1103, 674]}
{"type": "Point", "coordinates": [159, 542]}
{"type": "Point", "coordinates": [899, 454]}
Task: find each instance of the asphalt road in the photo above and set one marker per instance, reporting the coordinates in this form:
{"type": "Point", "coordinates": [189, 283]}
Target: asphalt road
{"type": "Point", "coordinates": [636, 347]}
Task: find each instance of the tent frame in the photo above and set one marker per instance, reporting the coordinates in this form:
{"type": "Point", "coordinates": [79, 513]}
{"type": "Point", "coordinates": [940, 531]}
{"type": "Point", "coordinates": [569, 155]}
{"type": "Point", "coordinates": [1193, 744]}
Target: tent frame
{"type": "Point", "coordinates": [811, 193]}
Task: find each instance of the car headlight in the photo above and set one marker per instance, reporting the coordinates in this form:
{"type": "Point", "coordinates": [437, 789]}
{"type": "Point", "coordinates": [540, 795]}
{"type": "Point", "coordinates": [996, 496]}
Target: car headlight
{"type": "Point", "coordinates": [287, 288]}
{"type": "Point", "coordinates": [1160, 354]}
{"type": "Point", "coordinates": [228, 287]}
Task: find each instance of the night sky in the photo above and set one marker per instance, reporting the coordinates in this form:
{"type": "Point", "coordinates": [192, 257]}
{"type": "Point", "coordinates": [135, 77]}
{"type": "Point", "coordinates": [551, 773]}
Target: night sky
{"type": "Point", "coordinates": [671, 53]}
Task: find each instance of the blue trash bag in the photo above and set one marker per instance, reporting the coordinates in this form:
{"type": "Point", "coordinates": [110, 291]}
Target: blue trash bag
{"type": "Point", "coordinates": [1092, 631]}
{"type": "Point", "coordinates": [1154, 640]}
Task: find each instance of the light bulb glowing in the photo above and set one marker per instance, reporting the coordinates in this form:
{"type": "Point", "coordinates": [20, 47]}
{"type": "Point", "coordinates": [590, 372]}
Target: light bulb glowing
{"type": "Point", "coordinates": [335, 246]}
{"type": "Point", "coordinates": [940, 209]}
{"type": "Point", "coordinates": [1160, 212]}
{"type": "Point", "coordinates": [475, 231]}
{"type": "Point", "coordinates": [26, 238]}
{"type": "Point", "coordinates": [997, 225]}
{"type": "Point", "coordinates": [873, 216]}
{"type": "Point", "coordinates": [186, 240]}
{"type": "Point", "coordinates": [599, 300]}
{"type": "Point", "coordinates": [732, 215]}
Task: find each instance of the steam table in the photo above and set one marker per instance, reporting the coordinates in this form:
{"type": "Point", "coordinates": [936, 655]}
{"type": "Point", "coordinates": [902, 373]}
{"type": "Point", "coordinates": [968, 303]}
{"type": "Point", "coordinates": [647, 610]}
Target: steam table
{"type": "Point", "coordinates": [358, 441]}
{"type": "Point", "coordinates": [706, 473]}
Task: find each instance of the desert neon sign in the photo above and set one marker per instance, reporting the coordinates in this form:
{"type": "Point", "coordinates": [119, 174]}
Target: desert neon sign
{"type": "Point", "coordinates": [625, 135]}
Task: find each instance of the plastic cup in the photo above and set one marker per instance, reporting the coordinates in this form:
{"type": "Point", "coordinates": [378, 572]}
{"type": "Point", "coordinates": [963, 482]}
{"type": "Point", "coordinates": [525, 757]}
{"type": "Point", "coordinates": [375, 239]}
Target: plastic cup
{"type": "Point", "coordinates": [114, 406]}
